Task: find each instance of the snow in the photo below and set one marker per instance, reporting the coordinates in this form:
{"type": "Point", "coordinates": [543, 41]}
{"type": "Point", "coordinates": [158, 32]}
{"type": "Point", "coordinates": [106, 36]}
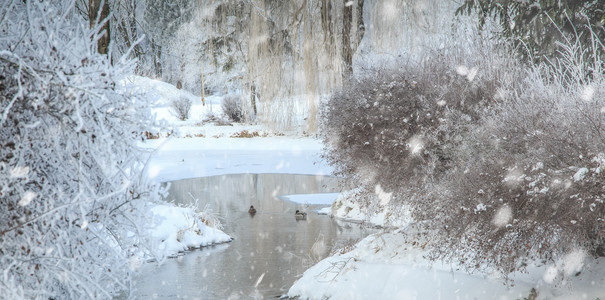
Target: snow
{"type": "Point", "coordinates": [480, 207]}
{"type": "Point", "coordinates": [198, 148]}
{"type": "Point", "coordinates": [347, 207]}
{"type": "Point", "coordinates": [392, 266]}
{"type": "Point", "coordinates": [550, 274]}
{"type": "Point", "coordinates": [384, 197]}
{"type": "Point", "coordinates": [325, 211]}
{"type": "Point", "coordinates": [580, 174]}
{"type": "Point", "coordinates": [180, 158]}
{"type": "Point", "coordinates": [415, 144]}
{"type": "Point", "coordinates": [27, 198]}
{"type": "Point", "coordinates": [587, 93]}
{"type": "Point", "coordinates": [503, 216]}
{"type": "Point", "coordinates": [388, 265]}
{"type": "Point", "coordinates": [19, 172]}
{"type": "Point", "coordinates": [466, 72]}
{"type": "Point", "coordinates": [178, 229]}
{"type": "Point", "coordinates": [569, 265]}
{"type": "Point", "coordinates": [573, 262]}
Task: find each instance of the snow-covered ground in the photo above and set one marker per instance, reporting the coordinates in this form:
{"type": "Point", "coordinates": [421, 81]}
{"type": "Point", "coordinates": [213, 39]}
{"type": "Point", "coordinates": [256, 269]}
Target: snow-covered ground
{"type": "Point", "coordinates": [180, 158]}
{"type": "Point", "coordinates": [392, 266]}
{"type": "Point", "coordinates": [382, 266]}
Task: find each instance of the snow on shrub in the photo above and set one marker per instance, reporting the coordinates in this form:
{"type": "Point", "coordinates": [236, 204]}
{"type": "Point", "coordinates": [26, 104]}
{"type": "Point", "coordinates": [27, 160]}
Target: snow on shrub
{"type": "Point", "coordinates": [233, 107]}
{"type": "Point", "coordinates": [70, 185]}
{"type": "Point", "coordinates": [181, 108]}
{"type": "Point", "coordinates": [539, 154]}
{"type": "Point", "coordinates": [399, 127]}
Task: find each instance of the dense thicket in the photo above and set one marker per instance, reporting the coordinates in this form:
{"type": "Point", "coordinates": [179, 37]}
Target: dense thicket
{"type": "Point", "coordinates": [69, 165]}
{"type": "Point", "coordinates": [499, 170]}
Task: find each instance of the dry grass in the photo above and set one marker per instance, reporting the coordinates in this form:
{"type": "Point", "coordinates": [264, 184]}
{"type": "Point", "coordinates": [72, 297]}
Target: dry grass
{"type": "Point", "coordinates": [151, 136]}
{"type": "Point", "coordinates": [247, 134]}
{"type": "Point", "coordinates": [346, 247]}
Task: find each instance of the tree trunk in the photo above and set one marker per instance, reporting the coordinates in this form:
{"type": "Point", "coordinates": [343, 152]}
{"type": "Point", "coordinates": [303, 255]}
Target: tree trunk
{"type": "Point", "coordinates": [253, 96]}
{"type": "Point", "coordinates": [347, 49]}
{"type": "Point", "coordinates": [361, 27]}
{"type": "Point", "coordinates": [156, 52]}
{"type": "Point", "coordinates": [349, 44]}
{"type": "Point", "coordinates": [98, 11]}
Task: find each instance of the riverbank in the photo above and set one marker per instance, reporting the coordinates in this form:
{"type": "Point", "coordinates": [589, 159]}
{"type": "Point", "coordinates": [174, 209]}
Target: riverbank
{"type": "Point", "coordinates": [395, 265]}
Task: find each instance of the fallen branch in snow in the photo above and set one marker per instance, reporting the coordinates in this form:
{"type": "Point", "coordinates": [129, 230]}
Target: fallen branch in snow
{"type": "Point", "coordinates": [336, 268]}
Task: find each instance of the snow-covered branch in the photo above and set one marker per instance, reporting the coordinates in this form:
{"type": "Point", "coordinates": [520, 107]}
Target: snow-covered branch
{"type": "Point", "coordinates": [70, 184]}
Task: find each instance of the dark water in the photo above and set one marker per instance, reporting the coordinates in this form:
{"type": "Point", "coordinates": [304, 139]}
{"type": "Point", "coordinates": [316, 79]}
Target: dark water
{"type": "Point", "coordinates": [269, 250]}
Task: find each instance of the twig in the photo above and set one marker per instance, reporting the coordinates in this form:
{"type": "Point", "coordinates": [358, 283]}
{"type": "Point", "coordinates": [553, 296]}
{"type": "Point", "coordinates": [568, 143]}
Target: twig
{"type": "Point", "coordinates": [340, 265]}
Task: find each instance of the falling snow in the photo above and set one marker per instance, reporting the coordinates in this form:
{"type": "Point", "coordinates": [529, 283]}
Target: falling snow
{"type": "Point", "coordinates": [27, 198]}
{"type": "Point", "coordinates": [415, 144]}
{"type": "Point", "coordinates": [587, 93]}
{"type": "Point", "coordinates": [580, 174]}
{"type": "Point", "coordinates": [503, 216]}
{"type": "Point", "coordinates": [19, 172]}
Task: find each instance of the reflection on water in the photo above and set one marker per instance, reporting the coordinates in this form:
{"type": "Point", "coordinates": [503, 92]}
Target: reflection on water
{"type": "Point", "coordinates": [269, 250]}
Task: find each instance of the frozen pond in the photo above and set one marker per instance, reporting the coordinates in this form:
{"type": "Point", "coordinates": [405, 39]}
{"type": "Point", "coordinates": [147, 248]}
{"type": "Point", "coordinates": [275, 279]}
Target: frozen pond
{"type": "Point", "coordinates": [269, 251]}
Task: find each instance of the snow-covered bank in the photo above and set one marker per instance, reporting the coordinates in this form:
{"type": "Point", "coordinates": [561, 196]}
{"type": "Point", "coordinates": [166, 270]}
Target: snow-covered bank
{"type": "Point", "coordinates": [206, 119]}
{"type": "Point", "coordinates": [181, 158]}
{"type": "Point", "coordinates": [348, 206]}
{"type": "Point", "coordinates": [178, 229]}
{"type": "Point", "coordinates": [388, 266]}
{"type": "Point", "coordinates": [392, 266]}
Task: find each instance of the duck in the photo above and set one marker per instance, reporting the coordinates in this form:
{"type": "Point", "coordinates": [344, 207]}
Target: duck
{"type": "Point", "coordinates": [252, 210]}
{"type": "Point", "coordinates": [300, 215]}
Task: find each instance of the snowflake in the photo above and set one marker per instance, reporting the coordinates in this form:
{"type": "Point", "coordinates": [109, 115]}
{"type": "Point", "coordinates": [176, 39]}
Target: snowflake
{"type": "Point", "coordinates": [503, 216]}
{"type": "Point", "coordinates": [580, 174]}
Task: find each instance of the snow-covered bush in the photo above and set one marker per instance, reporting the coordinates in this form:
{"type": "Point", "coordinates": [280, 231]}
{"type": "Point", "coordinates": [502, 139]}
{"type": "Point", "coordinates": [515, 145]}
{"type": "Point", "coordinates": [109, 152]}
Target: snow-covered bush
{"type": "Point", "coordinates": [70, 185]}
{"type": "Point", "coordinates": [233, 107]}
{"type": "Point", "coordinates": [499, 170]}
{"type": "Point", "coordinates": [181, 108]}
{"type": "Point", "coordinates": [529, 180]}
{"type": "Point", "coordinates": [399, 127]}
